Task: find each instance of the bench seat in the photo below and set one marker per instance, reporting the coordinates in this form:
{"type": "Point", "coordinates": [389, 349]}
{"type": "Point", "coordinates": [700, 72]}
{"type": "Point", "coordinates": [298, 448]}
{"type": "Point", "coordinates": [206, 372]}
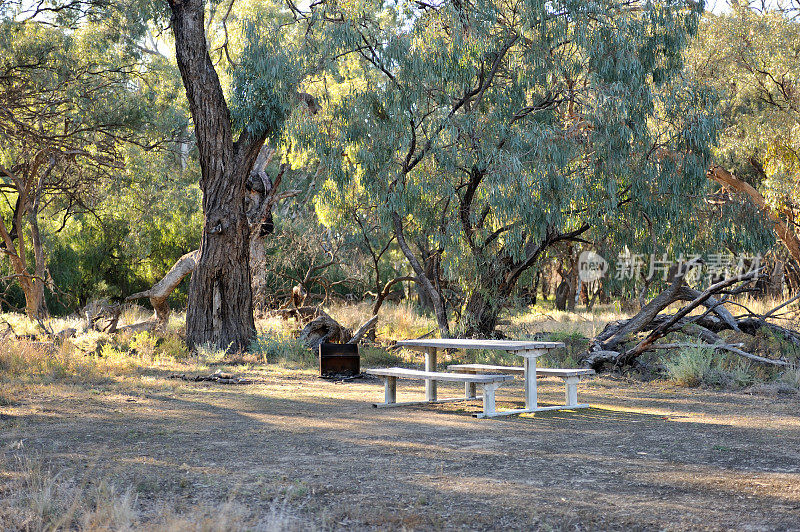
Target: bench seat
{"type": "Point", "coordinates": [571, 377]}
{"type": "Point", "coordinates": [489, 384]}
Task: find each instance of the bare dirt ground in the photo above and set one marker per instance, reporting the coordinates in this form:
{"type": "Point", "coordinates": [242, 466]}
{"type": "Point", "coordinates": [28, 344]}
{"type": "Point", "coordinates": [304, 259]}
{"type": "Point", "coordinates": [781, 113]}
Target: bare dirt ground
{"type": "Point", "coordinates": [646, 456]}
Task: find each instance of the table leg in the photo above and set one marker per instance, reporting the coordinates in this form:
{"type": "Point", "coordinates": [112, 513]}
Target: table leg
{"type": "Point", "coordinates": [530, 383]}
{"type": "Point", "coordinates": [390, 390]}
{"type": "Point", "coordinates": [430, 365]}
{"type": "Point", "coordinates": [470, 389]}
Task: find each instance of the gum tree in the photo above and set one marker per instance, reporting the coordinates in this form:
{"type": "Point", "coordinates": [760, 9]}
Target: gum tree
{"type": "Point", "coordinates": [750, 56]}
{"type": "Point", "coordinates": [70, 103]}
{"type": "Point", "coordinates": [264, 77]}
{"type": "Point", "coordinates": [233, 111]}
{"type": "Point", "coordinates": [496, 130]}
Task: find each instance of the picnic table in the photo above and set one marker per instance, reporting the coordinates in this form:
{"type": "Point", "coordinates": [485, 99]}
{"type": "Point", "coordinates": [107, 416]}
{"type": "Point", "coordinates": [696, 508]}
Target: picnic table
{"type": "Point", "coordinates": [528, 350]}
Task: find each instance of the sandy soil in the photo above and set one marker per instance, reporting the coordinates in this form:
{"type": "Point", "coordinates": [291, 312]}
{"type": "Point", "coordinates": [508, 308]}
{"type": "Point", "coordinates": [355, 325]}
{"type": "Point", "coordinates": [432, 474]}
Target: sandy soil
{"type": "Point", "coordinates": [646, 456]}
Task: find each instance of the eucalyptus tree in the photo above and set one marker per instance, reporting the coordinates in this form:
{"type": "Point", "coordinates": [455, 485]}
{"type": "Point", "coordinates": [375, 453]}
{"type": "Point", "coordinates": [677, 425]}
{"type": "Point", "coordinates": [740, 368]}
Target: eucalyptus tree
{"type": "Point", "coordinates": [498, 129]}
{"type": "Point", "coordinates": [264, 78]}
{"type": "Point", "coordinates": [750, 56]}
{"type": "Point", "coordinates": [68, 104]}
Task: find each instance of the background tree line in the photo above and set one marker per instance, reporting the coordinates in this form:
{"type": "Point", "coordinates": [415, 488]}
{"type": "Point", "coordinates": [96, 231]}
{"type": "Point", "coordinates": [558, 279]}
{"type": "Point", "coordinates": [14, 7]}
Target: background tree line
{"type": "Point", "coordinates": [470, 150]}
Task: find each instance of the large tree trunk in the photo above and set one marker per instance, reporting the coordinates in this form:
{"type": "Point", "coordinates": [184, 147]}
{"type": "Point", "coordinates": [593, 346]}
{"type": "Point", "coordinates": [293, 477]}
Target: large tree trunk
{"type": "Point", "coordinates": [481, 314]}
{"type": "Point", "coordinates": [498, 282]}
{"type": "Point", "coordinates": [220, 309]}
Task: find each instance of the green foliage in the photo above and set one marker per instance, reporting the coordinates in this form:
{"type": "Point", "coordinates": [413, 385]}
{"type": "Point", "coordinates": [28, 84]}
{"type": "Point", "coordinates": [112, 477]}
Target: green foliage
{"type": "Point", "coordinates": [144, 344]}
{"type": "Point", "coordinates": [791, 377]}
{"type": "Point", "coordinates": [749, 58]}
{"type": "Point", "coordinates": [118, 203]}
{"type": "Point", "coordinates": [532, 122]}
{"type": "Point", "coordinates": [265, 78]}
{"type": "Point", "coordinates": [575, 344]}
{"type": "Point", "coordinates": [699, 365]}
{"type": "Point", "coordinates": [276, 348]}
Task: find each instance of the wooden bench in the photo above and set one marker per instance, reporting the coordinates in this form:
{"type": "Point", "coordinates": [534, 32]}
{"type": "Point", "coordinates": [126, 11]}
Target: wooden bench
{"type": "Point", "coordinates": [489, 383]}
{"type": "Point", "coordinates": [571, 378]}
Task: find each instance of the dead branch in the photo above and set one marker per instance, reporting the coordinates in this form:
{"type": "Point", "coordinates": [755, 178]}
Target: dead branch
{"type": "Point", "coordinates": [160, 291]}
{"type": "Point", "coordinates": [608, 346]}
{"type": "Point", "coordinates": [361, 331]}
{"type": "Point", "coordinates": [669, 325]}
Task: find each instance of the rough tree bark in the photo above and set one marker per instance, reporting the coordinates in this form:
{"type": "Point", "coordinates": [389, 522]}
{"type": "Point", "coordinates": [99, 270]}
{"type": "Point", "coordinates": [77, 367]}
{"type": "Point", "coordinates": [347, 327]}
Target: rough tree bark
{"type": "Point", "coordinates": [263, 194]}
{"type": "Point", "coordinates": [35, 304]}
{"type": "Point", "coordinates": [220, 309]}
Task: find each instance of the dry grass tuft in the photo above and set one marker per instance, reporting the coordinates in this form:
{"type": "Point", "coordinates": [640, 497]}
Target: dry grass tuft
{"type": "Point", "coordinates": [540, 319]}
{"type": "Point", "coordinates": [43, 362]}
{"type": "Point", "coordinates": [395, 320]}
{"type": "Point", "coordinates": [33, 498]}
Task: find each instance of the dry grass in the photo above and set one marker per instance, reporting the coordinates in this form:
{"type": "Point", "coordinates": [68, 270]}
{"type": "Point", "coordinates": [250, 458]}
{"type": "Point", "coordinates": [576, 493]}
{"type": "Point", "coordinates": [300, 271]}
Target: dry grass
{"type": "Point", "coordinates": [544, 319]}
{"type": "Point", "coordinates": [395, 320]}
{"type": "Point", "coordinates": [34, 498]}
{"type": "Point", "coordinates": [291, 452]}
{"type": "Point", "coordinates": [200, 456]}
{"type": "Point", "coordinates": [42, 362]}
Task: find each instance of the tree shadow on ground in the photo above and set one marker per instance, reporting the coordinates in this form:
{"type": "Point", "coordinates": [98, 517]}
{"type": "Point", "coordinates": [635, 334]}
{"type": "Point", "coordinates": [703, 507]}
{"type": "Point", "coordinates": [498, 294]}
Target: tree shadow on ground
{"type": "Point", "coordinates": [427, 466]}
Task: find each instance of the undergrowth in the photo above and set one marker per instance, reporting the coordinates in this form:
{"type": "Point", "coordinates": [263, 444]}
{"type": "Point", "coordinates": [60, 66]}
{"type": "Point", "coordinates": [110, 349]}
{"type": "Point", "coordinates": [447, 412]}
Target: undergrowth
{"type": "Point", "coordinates": [693, 366]}
{"type": "Point", "coordinates": [47, 363]}
{"type": "Point", "coordinates": [272, 347]}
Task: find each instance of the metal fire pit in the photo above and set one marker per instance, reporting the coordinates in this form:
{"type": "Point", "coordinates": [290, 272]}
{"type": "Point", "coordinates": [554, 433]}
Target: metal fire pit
{"type": "Point", "coordinates": [339, 360]}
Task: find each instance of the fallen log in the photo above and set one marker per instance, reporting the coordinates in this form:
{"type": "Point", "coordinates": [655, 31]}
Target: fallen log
{"type": "Point", "coordinates": [160, 291]}
{"type": "Point", "coordinates": [323, 329]}
{"type": "Point", "coordinates": [609, 347]}
{"type": "Point", "coordinates": [718, 343]}
{"type": "Point", "coordinates": [361, 331]}
{"type": "Point", "coordinates": [620, 331]}
{"type": "Point", "coordinates": [142, 326]}
{"type": "Point", "coordinates": [668, 326]}
{"type": "Point", "coordinates": [218, 377]}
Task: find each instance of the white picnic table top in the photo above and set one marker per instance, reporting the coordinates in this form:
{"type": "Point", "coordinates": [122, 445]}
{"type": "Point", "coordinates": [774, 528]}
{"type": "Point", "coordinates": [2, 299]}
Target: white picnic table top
{"type": "Point", "coordinates": [469, 343]}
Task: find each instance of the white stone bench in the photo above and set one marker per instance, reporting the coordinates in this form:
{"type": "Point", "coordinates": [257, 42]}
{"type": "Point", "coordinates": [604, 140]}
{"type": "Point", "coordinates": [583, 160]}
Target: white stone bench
{"type": "Point", "coordinates": [489, 383]}
{"type": "Point", "coordinates": [571, 378]}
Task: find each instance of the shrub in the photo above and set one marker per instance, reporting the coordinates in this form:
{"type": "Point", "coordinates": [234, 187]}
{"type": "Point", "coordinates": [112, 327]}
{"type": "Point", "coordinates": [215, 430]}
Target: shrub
{"type": "Point", "coordinates": [273, 347]}
{"type": "Point", "coordinates": [377, 357]}
{"type": "Point", "coordinates": [174, 346]}
{"type": "Point", "coordinates": [700, 365]}
{"type": "Point", "coordinates": [567, 357]}
{"type": "Point", "coordinates": [690, 366]}
{"type": "Point", "coordinates": [144, 344]}
{"type": "Point", "coordinates": [43, 362]}
{"type": "Point", "coordinates": [791, 377]}
{"type": "Point", "coordinates": [209, 353]}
